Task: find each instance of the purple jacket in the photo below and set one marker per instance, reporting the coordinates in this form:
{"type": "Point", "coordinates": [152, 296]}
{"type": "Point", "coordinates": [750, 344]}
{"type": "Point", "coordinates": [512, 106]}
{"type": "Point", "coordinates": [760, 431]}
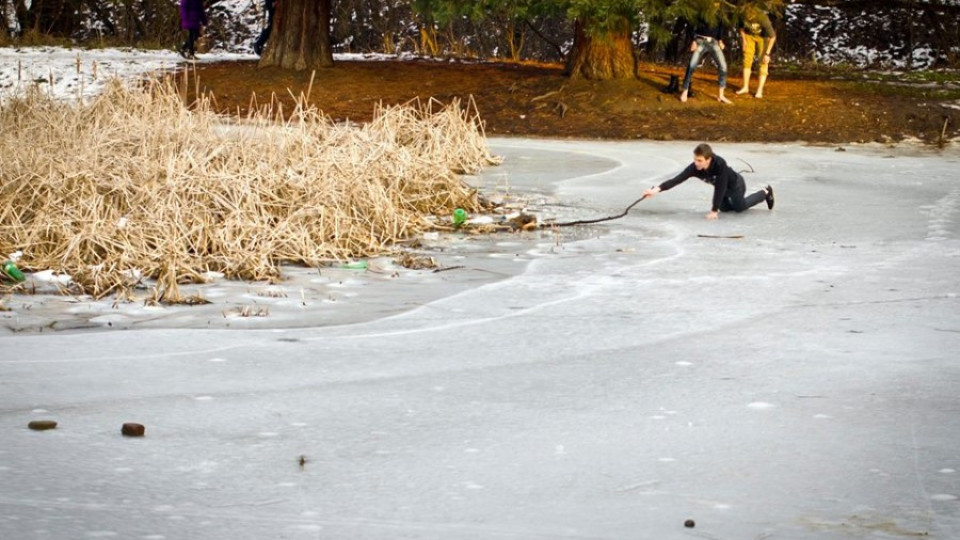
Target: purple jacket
{"type": "Point", "coordinates": [192, 14]}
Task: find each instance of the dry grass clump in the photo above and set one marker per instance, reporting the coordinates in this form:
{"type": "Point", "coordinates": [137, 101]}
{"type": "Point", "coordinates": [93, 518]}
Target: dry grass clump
{"type": "Point", "coordinates": [415, 262]}
{"type": "Point", "coordinates": [134, 182]}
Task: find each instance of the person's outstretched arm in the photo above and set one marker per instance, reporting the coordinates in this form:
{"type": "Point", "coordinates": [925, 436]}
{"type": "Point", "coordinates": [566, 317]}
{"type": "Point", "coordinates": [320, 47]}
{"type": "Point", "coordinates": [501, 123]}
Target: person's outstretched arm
{"type": "Point", "coordinates": [678, 179]}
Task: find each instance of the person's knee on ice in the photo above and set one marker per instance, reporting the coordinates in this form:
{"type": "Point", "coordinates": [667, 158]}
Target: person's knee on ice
{"type": "Point", "coordinates": [731, 204]}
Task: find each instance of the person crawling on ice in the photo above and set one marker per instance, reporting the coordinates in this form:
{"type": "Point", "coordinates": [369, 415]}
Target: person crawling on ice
{"type": "Point", "coordinates": [728, 185]}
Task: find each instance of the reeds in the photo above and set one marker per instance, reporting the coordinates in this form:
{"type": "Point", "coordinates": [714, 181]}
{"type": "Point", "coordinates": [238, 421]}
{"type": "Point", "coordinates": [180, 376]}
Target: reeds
{"type": "Point", "coordinates": [135, 183]}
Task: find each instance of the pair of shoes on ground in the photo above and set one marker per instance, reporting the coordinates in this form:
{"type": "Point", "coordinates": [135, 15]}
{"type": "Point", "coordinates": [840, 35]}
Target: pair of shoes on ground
{"type": "Point", "coordinates": [769, 198]}
{"type": "Point", "coordinates": [187, 55]}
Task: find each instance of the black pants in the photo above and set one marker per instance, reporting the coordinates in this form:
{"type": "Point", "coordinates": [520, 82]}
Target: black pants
{"type": "Point", "coordinates": [190, 45]}
{"type": "Point", "coordinates": [736, 202]}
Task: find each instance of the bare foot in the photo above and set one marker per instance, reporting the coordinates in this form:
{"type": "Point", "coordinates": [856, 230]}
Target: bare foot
{"type": "Point", "coordinates": [758, 95]}
{"type": "Point", "coordinates": [743, 90]}
{"type": "Point", "coordinates": [683, 96]}
{"type": "Point", "coordinates": [723, 99]}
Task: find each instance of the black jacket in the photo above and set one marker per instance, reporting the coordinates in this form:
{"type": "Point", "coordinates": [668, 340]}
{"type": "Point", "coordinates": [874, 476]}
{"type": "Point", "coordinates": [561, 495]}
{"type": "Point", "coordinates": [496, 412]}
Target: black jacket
{"type": "Point", "coordinates": [718, 174]}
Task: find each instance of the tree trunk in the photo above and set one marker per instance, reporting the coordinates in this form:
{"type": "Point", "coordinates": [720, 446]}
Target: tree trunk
{"type": "Point", "coordinates": [602, 55]}
{"type": "Point", "coordinates": [300, 38]}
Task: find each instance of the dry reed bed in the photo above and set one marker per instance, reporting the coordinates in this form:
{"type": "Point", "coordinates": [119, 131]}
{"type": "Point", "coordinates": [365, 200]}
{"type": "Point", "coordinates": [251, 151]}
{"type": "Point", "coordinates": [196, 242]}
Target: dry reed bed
{"type": "Point", "coordinates": [137, 182]}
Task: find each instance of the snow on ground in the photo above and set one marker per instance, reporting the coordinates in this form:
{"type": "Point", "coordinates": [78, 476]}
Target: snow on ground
{"type": "Point", "coordinates": [72, 73]}
{"type": "Point", "coordinates": [69, 74]}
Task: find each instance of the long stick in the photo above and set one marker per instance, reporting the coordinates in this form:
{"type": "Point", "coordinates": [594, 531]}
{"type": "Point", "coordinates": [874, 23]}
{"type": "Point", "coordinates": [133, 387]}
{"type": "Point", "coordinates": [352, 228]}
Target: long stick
{"type": "Point", "coordinates": [598, 220]}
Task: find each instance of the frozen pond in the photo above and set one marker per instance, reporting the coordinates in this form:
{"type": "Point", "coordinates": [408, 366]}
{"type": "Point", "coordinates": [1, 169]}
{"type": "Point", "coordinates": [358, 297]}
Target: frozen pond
{"type": "Point", "coordinates": [789, 374]}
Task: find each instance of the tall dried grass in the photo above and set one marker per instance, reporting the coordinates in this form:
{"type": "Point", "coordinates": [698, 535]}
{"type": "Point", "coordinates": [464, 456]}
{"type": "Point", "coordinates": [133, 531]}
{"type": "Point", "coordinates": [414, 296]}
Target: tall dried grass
{"type": "Point", "coordinates": [136, 181]}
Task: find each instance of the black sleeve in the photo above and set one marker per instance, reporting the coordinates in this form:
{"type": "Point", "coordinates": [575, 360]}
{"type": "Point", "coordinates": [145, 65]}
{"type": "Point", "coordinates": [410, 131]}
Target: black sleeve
{"type": "Point", "coordinates": [719, 190]}
{"type": "Point", "coordinates": [725, 178]}
{"type": "Point", "coordinates": [680, 178]}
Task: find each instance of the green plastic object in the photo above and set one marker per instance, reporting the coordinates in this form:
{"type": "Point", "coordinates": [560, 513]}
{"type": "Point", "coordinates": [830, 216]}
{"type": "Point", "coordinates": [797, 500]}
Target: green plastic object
{"type": "Point", "coordinates": [459, 216]}
{"type": "Point", "coordinates": [10, 270]}
{"type": "Point", "coordinates": [356, 265]}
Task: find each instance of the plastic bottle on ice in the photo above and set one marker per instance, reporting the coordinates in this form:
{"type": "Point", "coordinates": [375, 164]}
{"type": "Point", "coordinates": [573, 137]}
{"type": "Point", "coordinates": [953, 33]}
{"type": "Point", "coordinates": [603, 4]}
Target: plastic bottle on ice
{"type": "Point", "coordinates": [10, 270]}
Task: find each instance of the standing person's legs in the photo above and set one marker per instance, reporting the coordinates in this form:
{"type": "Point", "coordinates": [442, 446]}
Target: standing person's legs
{"type": "Point", "coordinates": [691, 66]}
{"type": "Point", "coordinates": [189, 48]}
{"type": "Point", "coordinates": [749, 54]}
{"type": "Point", "coordinates": [764, 71]}
{"type": "Point", "coordinates": [721, 62]}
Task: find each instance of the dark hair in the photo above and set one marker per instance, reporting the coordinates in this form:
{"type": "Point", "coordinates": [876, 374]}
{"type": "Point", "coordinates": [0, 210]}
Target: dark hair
{"type": "Point", "coordinates": [703, 150]}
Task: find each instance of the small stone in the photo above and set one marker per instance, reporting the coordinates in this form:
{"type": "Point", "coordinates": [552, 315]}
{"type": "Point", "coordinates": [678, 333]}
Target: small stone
{"type": "Point", "coordinates": [689, 524]}
{"type": "Point", "coordinates": [133, 430]}
{"type": "Point", "coordinates": [42, 425]}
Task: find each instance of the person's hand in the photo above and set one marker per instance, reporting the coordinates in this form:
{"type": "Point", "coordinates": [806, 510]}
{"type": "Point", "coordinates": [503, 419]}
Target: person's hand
{"type": "Point", "coordinates": [713, 215]}
{"type": "Point", "coordinates": [722, 46]}
{"type": "Point", "coordinates": [693, 46]}
{"type": "Point", "coordinates": [651, 192]}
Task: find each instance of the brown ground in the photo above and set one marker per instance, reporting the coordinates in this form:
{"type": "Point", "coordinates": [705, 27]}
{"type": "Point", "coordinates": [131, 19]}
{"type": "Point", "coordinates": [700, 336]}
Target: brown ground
{"type": "Point", "coordinates": [537, 100]}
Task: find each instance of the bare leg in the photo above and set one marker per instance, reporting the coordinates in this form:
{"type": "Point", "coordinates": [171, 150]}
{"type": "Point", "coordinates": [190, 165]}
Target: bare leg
{"type": "Point", "coordinates": [721, 98]}
{"type": "Point", "coordinates": [746, 82]}
{"type": "Point", "coordinates": [763, 80]}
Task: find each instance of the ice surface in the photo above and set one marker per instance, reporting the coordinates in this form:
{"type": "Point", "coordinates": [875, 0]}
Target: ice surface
{"type": "Point", "coordinates": [606, 382]}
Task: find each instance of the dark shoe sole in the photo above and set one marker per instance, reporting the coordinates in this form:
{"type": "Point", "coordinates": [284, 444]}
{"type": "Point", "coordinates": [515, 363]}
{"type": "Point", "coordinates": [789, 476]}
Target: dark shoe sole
{"type": "Point", "coordinates": [770, 199]}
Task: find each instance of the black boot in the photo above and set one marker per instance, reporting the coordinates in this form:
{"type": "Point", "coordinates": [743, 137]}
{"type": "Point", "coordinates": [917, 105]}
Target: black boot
{"type": "Point", "coordinates": [674, 85]}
